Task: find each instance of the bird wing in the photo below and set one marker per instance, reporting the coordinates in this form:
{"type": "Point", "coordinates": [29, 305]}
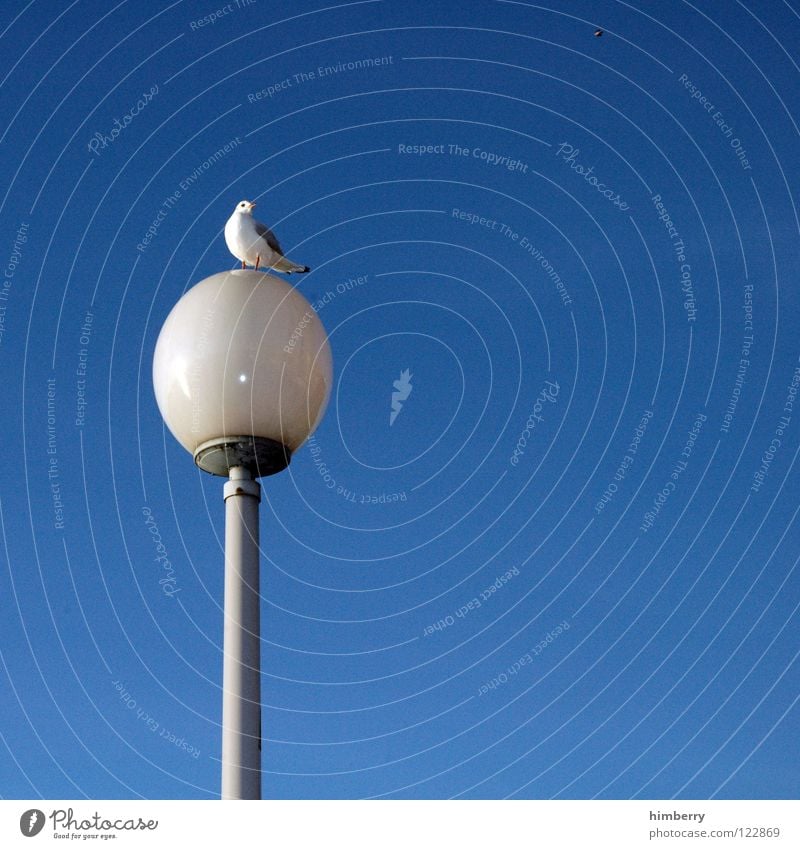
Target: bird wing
{"type": "Point", "coordinates": [268, 236]}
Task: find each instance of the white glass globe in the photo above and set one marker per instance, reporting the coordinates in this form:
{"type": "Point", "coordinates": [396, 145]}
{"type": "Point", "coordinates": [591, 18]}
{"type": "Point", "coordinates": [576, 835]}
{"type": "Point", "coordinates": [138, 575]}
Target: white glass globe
{"type": "Point", "coordinates": [242, 354]}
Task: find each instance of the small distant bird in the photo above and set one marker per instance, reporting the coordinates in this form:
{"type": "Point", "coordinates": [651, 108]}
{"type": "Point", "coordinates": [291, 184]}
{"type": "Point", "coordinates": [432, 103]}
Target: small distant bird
{"type": "Point", "coordinates": [598, 33]}
{"type": "Point", "coordinates": [253, 243]}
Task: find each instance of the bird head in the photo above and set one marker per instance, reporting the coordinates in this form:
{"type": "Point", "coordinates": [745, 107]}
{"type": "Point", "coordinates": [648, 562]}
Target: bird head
{"type": "Point", "coordinates": [245, 206]}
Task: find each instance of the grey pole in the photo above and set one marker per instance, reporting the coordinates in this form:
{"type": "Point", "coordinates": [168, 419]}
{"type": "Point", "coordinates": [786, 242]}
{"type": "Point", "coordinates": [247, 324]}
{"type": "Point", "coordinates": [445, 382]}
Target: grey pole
{"type": "Point", "coordinates": [241, 681]}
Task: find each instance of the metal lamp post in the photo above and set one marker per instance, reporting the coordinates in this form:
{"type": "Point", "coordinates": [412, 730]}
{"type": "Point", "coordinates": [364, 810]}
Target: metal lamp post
{"type": "Point", "coordinates": [242, 374]}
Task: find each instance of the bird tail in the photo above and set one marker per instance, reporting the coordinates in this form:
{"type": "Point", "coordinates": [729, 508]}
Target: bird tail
{"type": "Point", "coordinates": [289, 267]}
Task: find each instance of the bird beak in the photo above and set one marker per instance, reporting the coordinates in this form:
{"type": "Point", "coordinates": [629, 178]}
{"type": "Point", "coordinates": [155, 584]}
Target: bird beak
{"type": "Point", "coordinates": [252, 206]}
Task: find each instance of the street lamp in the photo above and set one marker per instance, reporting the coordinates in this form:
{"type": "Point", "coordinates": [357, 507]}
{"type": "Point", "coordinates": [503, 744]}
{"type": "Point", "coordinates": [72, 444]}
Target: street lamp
{"type": "Point", "coordinates": [242, 375]}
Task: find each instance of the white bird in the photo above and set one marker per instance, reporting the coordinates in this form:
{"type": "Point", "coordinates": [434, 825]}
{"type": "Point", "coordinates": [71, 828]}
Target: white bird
{"type": "Point", "coordinates": [252, 242]}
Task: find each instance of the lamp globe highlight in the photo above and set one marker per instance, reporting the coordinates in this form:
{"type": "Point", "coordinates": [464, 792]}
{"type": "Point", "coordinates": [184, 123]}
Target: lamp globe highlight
{"type": "Point", "coordinates": [242, 372]}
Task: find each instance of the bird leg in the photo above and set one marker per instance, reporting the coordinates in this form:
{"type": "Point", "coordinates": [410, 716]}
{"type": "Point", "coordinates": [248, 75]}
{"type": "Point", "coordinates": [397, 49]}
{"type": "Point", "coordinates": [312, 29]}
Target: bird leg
{"type": "Point", "coordinates": [258, 260]}
{"type": "Point", "coordinates": [243, 265]}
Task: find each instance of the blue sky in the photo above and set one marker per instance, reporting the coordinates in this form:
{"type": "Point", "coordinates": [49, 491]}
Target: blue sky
{"type": "Point", "coordinates": [568, 567]}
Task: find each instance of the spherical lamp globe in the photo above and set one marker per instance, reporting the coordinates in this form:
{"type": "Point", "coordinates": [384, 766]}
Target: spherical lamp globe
{"type": "Point", "coordinates": [242, 372]}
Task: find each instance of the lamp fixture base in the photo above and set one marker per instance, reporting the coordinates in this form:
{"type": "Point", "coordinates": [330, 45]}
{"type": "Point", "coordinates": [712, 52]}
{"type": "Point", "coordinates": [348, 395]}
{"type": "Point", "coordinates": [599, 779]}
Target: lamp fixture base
{"type": "Point", "coordinates": [259, 455]}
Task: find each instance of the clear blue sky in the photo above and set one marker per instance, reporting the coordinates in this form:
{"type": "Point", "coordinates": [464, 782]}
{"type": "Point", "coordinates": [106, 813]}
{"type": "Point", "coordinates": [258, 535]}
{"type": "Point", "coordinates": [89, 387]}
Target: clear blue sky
{"type": "Point", "coordinates": [584, 249]}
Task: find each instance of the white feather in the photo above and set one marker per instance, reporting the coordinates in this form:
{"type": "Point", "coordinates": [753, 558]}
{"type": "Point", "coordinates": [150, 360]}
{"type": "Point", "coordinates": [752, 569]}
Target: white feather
{"type": "Point", "coordinates": [250, 241]}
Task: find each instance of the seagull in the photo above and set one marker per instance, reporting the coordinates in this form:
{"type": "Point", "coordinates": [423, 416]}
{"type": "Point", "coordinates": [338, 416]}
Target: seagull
{"type": "Point", "coordinates": [250, 241]}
